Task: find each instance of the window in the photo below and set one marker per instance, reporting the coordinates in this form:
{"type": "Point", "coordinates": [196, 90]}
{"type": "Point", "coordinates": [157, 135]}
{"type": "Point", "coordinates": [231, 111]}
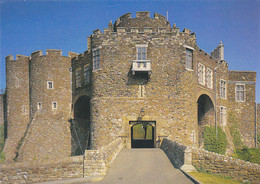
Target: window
{"type": "Point", "coordinates": [49, 84]}
{"type": "Point", "coordinates": [141, 53]}
{"type": "Point", "coordinates": [240, 93]}
{"type": "Point", "coordinates": [209, 76]}
{"type": "Point", "coordinates": [223, 115]}
{"type": "Point", "coordinates": [54, 105]}
{"type": "Point", "coordinates": [96, 57]}
{"type": "Point", "coordinates": [201, 73]}
{"type": "Point", "coordinates": [141, 90]}
{"type": "Point", "coordinates": [39, 105]}
{"type": "Point", "coordinates": [188, 62]}
{"type": "Point", "coordinates": [86, 74]}
{"type": "Point", "coordinates": [222, 89]}
{"type": "Point", "coordinates": [78, 78]}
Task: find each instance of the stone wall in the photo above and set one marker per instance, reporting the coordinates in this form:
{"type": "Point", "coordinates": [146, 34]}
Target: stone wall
{"type": "Point", "coordinates": [33, 172]}
{"type": "Point", "coordinates": [243, 113]}
{"type": "Point", "coordinates": [211, 162]}
{"type": "Point", "coordinates": [97, 163]}
{"type": "Point", "coordinates": [175, 151]}
{"type": "Point", "coordinates": [1, 110]}
{"type": "Point", "coordinates": [17, 99]}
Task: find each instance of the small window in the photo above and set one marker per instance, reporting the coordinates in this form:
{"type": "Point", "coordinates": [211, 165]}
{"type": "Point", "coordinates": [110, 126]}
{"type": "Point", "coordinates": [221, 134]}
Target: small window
{"type": "Point", "coordinates": [222, 89]}
{"type": "Point", "coordinates": [49, 84]}
{"type": "Point", "coordinates": [141, 53]}
{"type": "Point", "coordinates": [39, 105]}
{"type": "Point", "coordinates": [54, 105]}
{"type": "Point", "coordinates": [240, 93]}
{"type": "Point", "coordinates": [86, 74]}
{"type": "Point", "coordinates": [78, 78]}
{"type": "Point", "coordinates": [201, 74]}
{"type": "Point", "coordinates": [209, 78]}
{"type": "Point", "coordinates": [223, 115]}
{"type": "Point", "coordinates": [96, 59]}
{"type": "Point", "coordinates": [141, 90]}
{"type": "Point", "coordinates": [189, 56]}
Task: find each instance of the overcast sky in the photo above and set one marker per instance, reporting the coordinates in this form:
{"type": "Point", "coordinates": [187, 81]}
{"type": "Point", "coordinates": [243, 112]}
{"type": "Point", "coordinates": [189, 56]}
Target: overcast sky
{"type": "Point", "coordinates": [30, 25]}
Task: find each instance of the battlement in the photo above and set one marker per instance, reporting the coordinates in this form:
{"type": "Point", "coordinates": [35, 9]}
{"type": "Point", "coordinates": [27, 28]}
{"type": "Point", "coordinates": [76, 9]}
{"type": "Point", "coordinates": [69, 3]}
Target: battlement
{"type": "Point", "coordinates": [56, 52]}
{"type": "Point", "coordinates": [142, 24]}
{"type": "Point", "coordinates": [143, 14]}
{"type": "Point", "coordinates": [18, 58]}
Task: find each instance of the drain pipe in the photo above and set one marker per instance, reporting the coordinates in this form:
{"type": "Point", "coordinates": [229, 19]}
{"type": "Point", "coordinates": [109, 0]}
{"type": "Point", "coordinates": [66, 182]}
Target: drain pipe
{"type": "Point", "coordinates": [72, 123]}
{"type": "Point", "coordinates": [216, 103]}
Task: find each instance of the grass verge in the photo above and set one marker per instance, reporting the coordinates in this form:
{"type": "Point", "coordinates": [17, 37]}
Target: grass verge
{"type": "Point", "coordinates": [206, 178]}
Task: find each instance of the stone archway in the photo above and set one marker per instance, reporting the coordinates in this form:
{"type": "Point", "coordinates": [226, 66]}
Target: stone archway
{"type": "Point", "coordinates": [80, 126]}
{"type": "Point", "coordinates": [206, 115]}
{"type": "Point", "coordinates": [142, 134]}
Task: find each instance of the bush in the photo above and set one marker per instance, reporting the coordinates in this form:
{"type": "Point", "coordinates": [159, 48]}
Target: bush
{"type": "Point", "coordinates": [212, 143]}
{"type": "Point", "coordinates": [2, 139]}
{"type": "Point", "coordinates": [237, 139]}
{"type": "Point", "coordinates": [234, 130]}
{"type": "Point", "coordinates": [2, 156]}
{"type": "Point", "coordinates": [249, 154]}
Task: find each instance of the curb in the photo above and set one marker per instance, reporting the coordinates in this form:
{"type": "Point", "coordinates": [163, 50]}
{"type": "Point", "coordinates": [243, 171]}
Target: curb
{"type": "Point", "coordinates": [74, 180]}
{"type": "Point", "coordinates": [194, 180]}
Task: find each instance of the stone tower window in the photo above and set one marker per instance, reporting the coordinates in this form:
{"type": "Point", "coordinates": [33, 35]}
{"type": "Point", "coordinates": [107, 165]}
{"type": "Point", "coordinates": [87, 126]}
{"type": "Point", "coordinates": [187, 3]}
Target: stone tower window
{"type": "Point", "coordinates": [78, 78]}
{"type": "Point", "coordinates": [49, 84]}
{"type": "Point", "coordinates": [209, 78]}
{"type": "Point", "coordinates": [223, 115]}
{"type": "Point", "coordinates": [141, 90]}
{"type": "Point", "coordinates": [54, 105]}
{"type": "Point", "coordinates": [96, 59]}
{"type": "Point", "coordinates": [39, 105]}
{"type": "Point", "coordinates": [189, 58]}
{"type": "Point", "coordinates": [240, 92]}
{"type": "Point", "coordinates": [141, 53]}
{"type": "Point", "coordinates": [222, 89]}
{"type": "Point", "coordinates": [86, 74]}
{"type": "Point", "coordinates": [201, 74]}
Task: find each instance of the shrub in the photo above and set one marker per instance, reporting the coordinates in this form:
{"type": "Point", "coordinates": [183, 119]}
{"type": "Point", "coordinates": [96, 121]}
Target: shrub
{"type": "Point", "coordinates": [249, 154]}
{"type": "Point", "coordinates": [2, 140]}
{"type": "Point", "coordinates": [212, 143]}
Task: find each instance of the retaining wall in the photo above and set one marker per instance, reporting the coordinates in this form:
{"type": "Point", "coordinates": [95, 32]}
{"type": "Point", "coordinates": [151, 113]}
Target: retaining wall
{"type": "Point", "coordinates": [97, 162]}
{"type": "Point", "coordinates": [201, 159]}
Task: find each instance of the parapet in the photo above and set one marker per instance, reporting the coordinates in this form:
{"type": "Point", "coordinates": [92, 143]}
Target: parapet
{"type": "Point", "coordinates": [9, 58]}
{"type": "Point", "coordinates": [56, 52]}
{"type": "Point", "coordinates": [143, 14]}
{"type": "Point", "coordinates": [242, 76]}
{"type": "Point", "coordinates": [18, 58]}
{"type": "Point", "coordinates": [36, 53]}
{"type": "Point", "coordinates": [72, 54]}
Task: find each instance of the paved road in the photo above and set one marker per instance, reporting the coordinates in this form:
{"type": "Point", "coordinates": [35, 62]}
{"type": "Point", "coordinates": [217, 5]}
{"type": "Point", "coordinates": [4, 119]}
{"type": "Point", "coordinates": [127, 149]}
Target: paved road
{"type": "Point", "coordinates": [143, 166]}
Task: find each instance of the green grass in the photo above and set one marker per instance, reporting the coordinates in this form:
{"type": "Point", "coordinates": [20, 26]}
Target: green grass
{"type": "Point", "coordinates": [206, 178]}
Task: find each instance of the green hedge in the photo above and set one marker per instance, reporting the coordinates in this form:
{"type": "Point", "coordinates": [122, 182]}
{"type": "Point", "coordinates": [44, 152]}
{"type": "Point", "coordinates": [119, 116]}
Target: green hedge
{"type": "Point", "coordinates": [212, 143]}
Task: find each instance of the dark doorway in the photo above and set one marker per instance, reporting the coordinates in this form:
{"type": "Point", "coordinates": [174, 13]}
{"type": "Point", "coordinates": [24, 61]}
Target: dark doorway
{"type": "Point", "coordinates": [206, 115]}
{"type": "Point", "coordinates": [142, 134]}
{"type": "Point", "coordinates": [80, 126]}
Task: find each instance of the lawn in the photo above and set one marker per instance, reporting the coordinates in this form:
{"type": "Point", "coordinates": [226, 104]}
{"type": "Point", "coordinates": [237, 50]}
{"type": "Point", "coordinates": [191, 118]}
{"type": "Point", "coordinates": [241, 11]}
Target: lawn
{"type": "Point", "coordinates": [206, 178]}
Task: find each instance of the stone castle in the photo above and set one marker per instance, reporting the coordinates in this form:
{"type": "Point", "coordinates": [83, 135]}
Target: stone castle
{"type": "Point", "coordinates": [138, 71]}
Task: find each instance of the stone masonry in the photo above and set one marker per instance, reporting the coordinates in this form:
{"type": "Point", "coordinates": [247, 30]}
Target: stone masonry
{"type": "Point", "coordinates": [139, 69]}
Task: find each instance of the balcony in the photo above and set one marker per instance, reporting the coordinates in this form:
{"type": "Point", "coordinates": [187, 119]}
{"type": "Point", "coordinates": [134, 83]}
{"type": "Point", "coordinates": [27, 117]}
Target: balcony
{"type": "Point", "coordinates": [141, 66]}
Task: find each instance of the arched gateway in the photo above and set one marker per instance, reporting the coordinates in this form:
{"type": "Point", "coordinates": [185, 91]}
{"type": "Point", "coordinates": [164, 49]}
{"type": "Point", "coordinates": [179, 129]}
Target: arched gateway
{"type": "Point", "coordinates": [206, 114]}
{"type": "Point", "coordinates": [80, 126]}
